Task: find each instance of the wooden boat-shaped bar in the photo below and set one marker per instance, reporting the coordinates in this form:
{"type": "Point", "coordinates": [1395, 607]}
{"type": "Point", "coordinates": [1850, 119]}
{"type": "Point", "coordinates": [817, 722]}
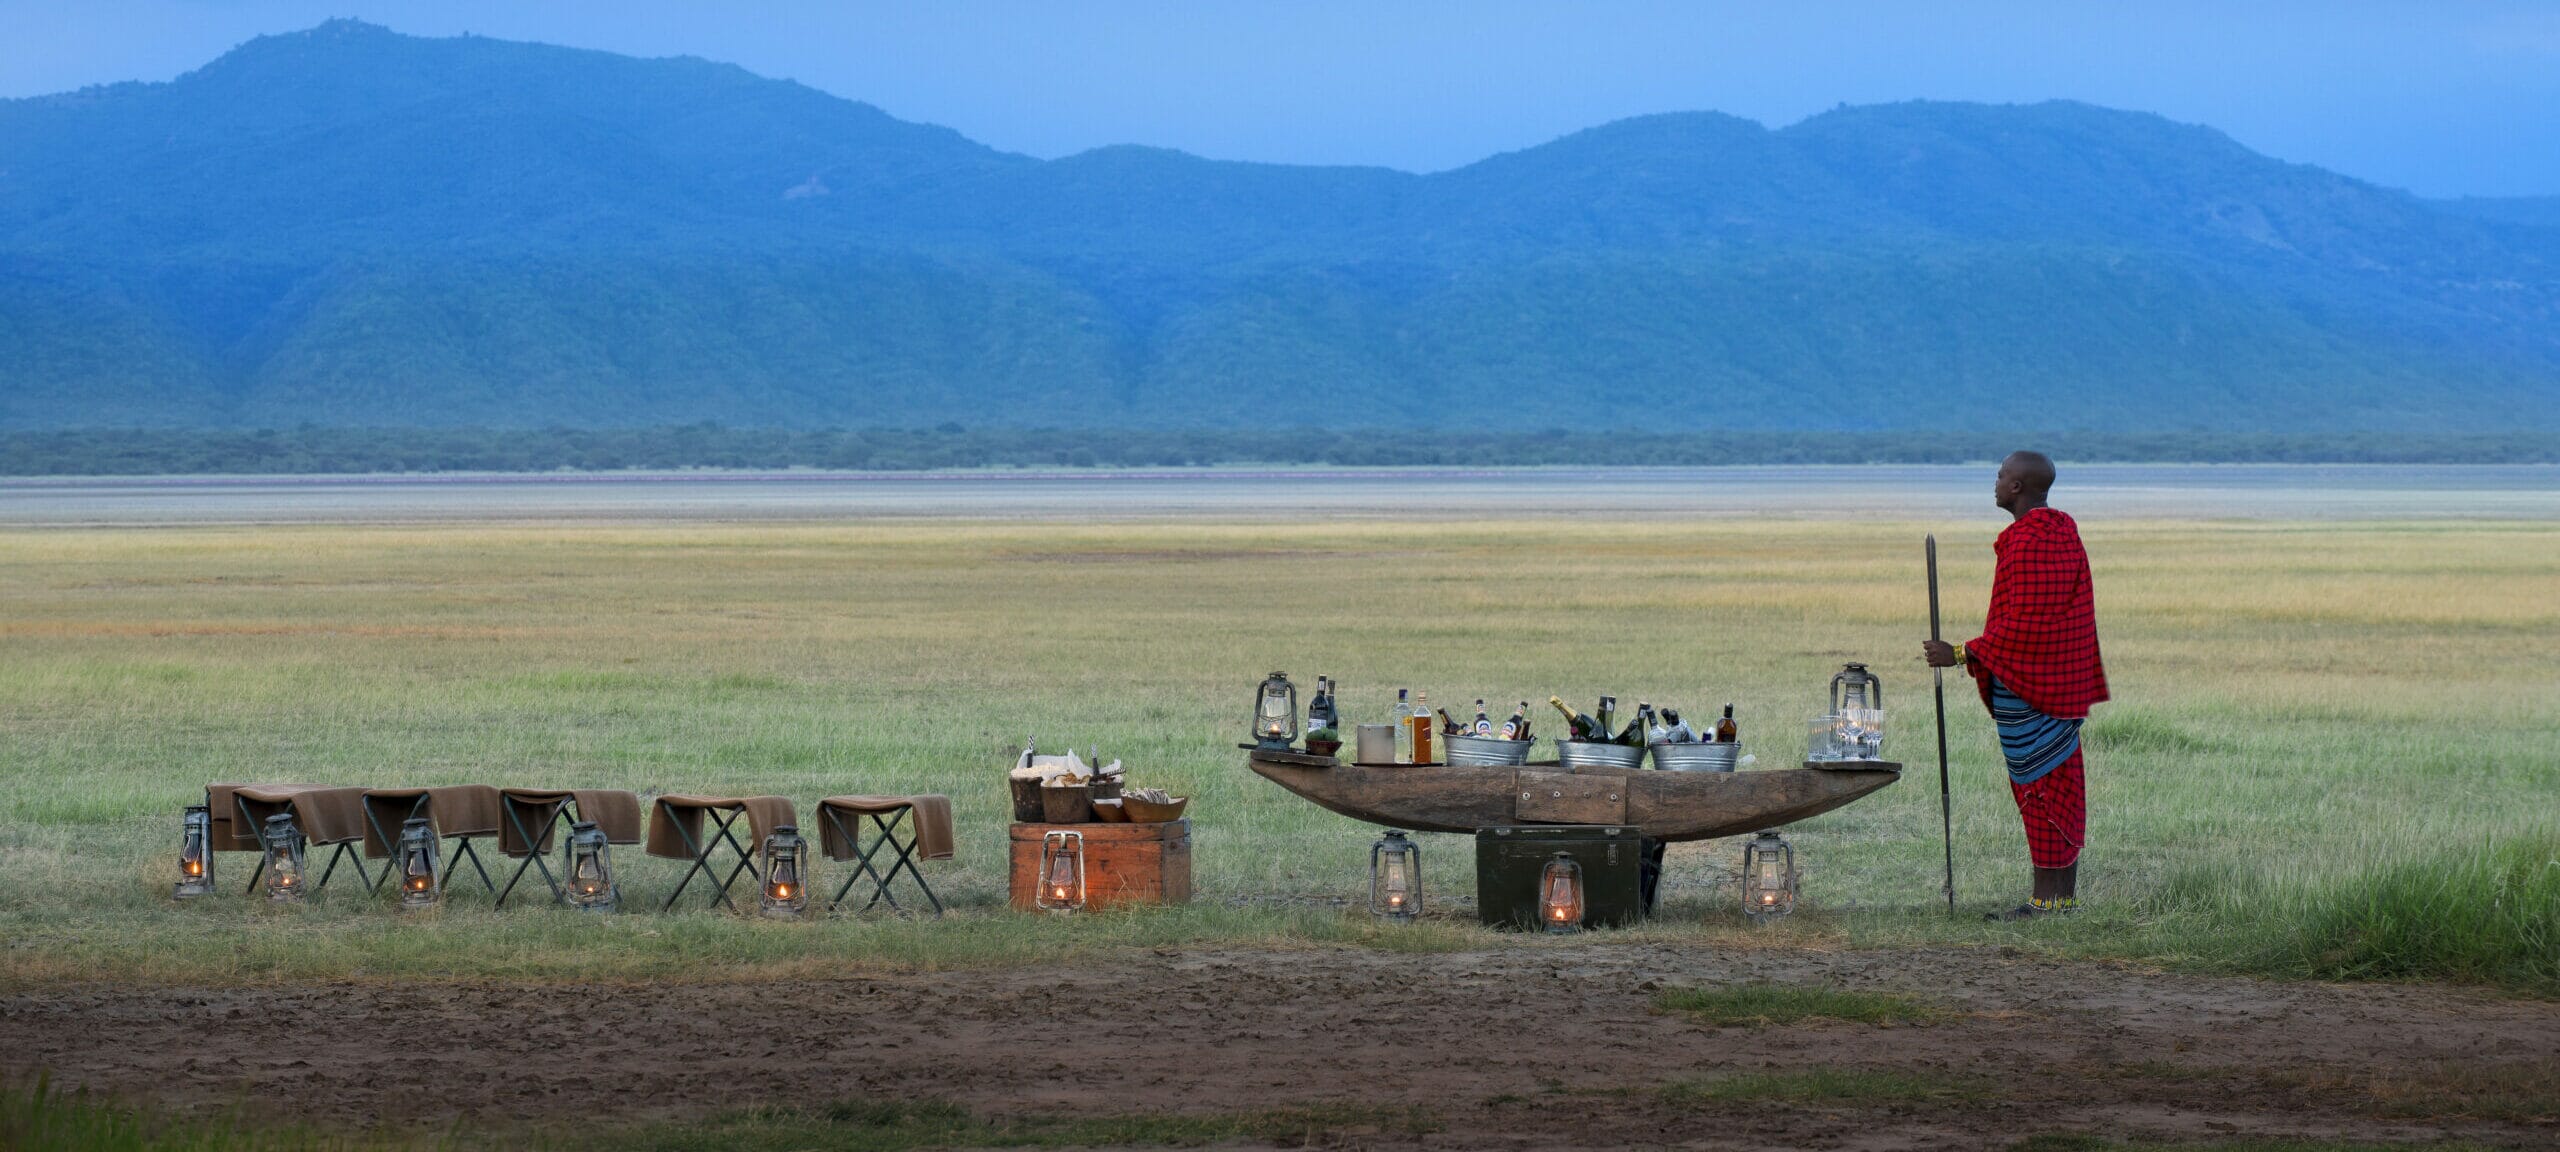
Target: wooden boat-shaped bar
{"type": "Point", "coordinates": [1665, 805]}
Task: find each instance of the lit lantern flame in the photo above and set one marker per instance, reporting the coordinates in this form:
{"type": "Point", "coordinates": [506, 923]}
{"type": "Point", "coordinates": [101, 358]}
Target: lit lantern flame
{"type": "Point", "coordinates": [1560, 894]}
{"type": "Point", "coordinates": [1062, 887]}
{"type": "Point", "coordinates": [786, 859]}
{"type": "Point", "coordinates": [192, 867]}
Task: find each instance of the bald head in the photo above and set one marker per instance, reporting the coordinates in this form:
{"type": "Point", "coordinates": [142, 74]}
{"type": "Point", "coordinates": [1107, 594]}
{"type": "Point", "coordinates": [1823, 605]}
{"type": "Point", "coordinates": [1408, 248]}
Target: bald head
{"type": "Point", "coordinates": [2025, 479]}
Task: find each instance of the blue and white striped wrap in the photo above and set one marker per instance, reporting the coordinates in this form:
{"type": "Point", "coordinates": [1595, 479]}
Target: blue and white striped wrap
{"type": "Point", "coordinates": [2033, 742]}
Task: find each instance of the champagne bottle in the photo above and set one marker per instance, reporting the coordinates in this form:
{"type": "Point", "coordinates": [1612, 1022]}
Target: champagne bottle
{"type": "Point", "coordinates": [1634, 736]}
{"type": "Point", "coordinates": [1577, 725]}
{"type": "Point", "coordinates": [1513, 728]}
{"type": "Point", "coordinates": [1484, 723]}
{"type": "Point", "coordinates": [1726, 733]}
{"type": "Point", "coordinates": [1402, 717]}
{"type": "Point", "coordinates": [1420, 723]}
{"type": "Point", "coordinates": [1606, 716]}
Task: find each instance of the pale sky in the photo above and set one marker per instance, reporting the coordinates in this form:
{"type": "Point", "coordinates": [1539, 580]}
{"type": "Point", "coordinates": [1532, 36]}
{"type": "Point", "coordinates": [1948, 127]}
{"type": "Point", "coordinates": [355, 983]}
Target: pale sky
{"type": "Point", "coordinates": [2446, 98]}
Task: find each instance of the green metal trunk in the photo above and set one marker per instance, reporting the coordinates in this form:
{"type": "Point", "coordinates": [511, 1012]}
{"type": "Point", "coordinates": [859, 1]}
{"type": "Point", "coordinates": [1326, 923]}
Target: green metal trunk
{"type": "Point", "coordinates": [1509, 860]}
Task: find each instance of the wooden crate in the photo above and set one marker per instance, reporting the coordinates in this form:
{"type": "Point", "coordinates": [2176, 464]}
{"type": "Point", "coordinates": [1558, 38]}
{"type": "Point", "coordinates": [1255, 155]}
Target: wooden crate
{"type": "Point", "coordinates": [1123, 863]}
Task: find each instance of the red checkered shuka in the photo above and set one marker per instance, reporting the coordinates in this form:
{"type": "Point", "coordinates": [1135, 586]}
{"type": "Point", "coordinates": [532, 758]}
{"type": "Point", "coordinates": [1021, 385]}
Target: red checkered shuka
{"type": "Point", "coordinates": [2055, 809]}
{"type": "Point", "coordinates": [2041, 635]}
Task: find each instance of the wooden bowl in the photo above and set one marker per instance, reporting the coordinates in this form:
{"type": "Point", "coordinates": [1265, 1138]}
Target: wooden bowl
{"type": "Point", "coordinates": [1110, 811]}
{"type": "Point", "coordinates": [1149, 812]}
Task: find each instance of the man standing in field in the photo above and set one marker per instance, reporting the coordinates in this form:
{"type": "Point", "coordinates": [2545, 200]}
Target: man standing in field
{"type": "Point", "coordinates": [2036, 664]}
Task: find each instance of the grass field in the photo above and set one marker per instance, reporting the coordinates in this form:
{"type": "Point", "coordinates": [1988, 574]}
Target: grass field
{"type": "Point", "coordinates": [2331, 751]}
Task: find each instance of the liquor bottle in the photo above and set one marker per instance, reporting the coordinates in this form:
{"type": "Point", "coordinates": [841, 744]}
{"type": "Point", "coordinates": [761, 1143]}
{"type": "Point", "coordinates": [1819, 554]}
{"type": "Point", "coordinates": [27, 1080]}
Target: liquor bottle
{"type": "Point", "coordinates": [1579, 726]}
{"type": "Point", "coordinates": [1518, 723]}
{"type": "Point", "coordinates": [1638, 728]}
{"type": "Point", "coordinates": [1320, 713]}
{"type": "Point", "coordinates": [1726, 733]}
{"type": "Point", "coordinates": [1606, 716]}
{"type": "Point", "coordinates": [1484, 723]}
{"type": "Point", "coordinates": [1420, 723]}
{"type": "Point", "coordinates": [1402, 717]}
{"type": "Point", "coordinates": [1680, 733]}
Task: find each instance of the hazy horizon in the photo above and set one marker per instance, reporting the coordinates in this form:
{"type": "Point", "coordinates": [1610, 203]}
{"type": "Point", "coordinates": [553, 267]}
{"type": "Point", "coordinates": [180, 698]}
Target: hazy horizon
{"type": "Point", "coordinates": [2445, 100]}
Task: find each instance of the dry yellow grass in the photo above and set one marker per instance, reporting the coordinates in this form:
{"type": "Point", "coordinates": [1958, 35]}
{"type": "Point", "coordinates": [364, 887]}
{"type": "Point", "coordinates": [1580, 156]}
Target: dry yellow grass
{"type": "Point", "coordinates": [2293, 701]}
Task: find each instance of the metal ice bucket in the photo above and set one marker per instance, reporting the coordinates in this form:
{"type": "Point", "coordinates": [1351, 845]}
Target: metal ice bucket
{"type": "Point", "coordinates": [1486, 752]}
{"type": "Point", "coordinates": [1696, 757]}
{"type": "Point", "coordinates": [1578, 754]}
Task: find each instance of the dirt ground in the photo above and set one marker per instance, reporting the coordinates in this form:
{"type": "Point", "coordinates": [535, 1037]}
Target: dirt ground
{"type": "Point", "coordinates": [1511, 1048]}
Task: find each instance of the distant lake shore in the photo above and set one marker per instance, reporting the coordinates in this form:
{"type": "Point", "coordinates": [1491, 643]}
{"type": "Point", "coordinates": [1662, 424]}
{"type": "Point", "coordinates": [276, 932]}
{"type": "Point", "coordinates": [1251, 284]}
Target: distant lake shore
{"type": "Point", "coordinates": [1958, 492]}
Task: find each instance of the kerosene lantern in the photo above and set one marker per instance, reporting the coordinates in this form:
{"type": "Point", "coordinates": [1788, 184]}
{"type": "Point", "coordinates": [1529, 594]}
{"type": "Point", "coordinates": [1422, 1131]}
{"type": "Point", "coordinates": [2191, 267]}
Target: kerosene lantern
{"type": "Point", "coordinates": [1395, 877]}
{"type": "Point", "coordinates": [1855, 687]}
{"type": "Point", "coordinates": [195, 854]}
{"type": "Point", "coordinates": [283, 844]}
{"type": "Point", "coordinates": [420, 864]}
{"type": "Point", "coordinates": [1768, 877]}
{"type": "Point", "coordinates": [590, 870]}
{"type": "Point", "coordinates": [1275, 713]}
{"type": "Point", "coordinates": [1560, 895]}
{"type": "Point", "coordinates": [1061, 872]}
{"type": "Point", "coordinates": [786, 871]}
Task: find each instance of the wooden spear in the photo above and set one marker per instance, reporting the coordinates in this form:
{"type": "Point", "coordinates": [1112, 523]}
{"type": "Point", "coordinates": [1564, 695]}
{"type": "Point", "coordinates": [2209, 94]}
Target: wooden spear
{"type": "Point", "coordinates": [1938, 677]}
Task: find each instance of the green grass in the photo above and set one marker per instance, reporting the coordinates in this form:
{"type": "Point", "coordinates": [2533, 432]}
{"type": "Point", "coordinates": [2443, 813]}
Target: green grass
{"type": "Point", "coordinates": [894, 1127]}
{"type": "Point", "coordinates": [1873, 1087]}
{"type": "Point", "coordinates": [37, 1118]}
{"type": "Point", "coordinates": [2330, 754]}
{"type": "Point", "coordinates": [2081, 1142]}
{"type": "Point", "coordinates": [1762, 1003]}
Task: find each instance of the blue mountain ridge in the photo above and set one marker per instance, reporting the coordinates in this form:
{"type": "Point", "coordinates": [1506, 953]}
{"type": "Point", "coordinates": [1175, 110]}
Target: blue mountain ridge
{"type": "Point", "coordinates": [347, 226]}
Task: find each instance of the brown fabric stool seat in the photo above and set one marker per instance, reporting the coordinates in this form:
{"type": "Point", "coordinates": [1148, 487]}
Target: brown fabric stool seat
{"type": "Point", "coordinates": [676, 833]}
{"type": "Point", "coordinates": [328, 817]}
{"type": "Point", "coordinates": [458, 812]}
{"type": "Point", "coordinates": [534, 817]}
{"type": "Point", "coordinates": [928, 837]}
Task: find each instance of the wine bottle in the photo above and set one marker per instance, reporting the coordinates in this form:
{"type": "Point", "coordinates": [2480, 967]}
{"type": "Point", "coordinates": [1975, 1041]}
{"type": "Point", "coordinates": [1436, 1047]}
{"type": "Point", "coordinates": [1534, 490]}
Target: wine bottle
{"type": "Point", "coordinates": [1606, 716]}
{"type": "Point", "coordinates": [1402, 717]}
{"type": "Point", "coordinates": [1449, 725]}
{"type": "Point", "coordinates": [1659, 732]}
{"type": "Point", "coordinates": [1726, 733]}
{"type": "Point", "coordinates": [1517, 724]}
{"type": "Point", "coordinates": [1680, 732]}
{"type": "Point", "coordinates": [1578, 725]}
{"type": "Point", "coordinates": [1484, 723]}
{"type": "Point", "coordinates": [1320, 714]}
{"type": "Point", "coordinates": [1637, 729]}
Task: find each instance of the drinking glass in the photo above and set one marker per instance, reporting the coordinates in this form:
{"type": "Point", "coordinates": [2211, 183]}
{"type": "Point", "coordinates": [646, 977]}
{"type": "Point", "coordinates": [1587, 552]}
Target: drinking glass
{"type": "Point", "coordinates": [1820, 735]}
{"type": "Point", "coordinates": [1861, 733]}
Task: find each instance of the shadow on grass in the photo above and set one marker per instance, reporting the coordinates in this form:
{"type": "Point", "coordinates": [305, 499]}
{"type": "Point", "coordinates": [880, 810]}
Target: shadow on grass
{"type": "Point", "coordinates": [1762, 1003]}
